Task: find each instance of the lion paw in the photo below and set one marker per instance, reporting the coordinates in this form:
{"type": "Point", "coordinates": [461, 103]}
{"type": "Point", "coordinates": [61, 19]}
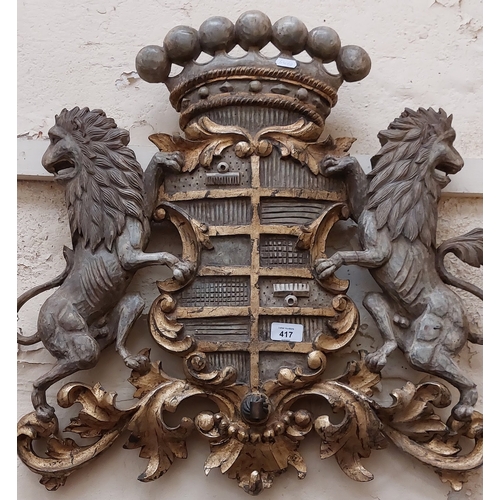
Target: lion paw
{"type": "Point", "coordinates": [335, 165]}
{"type": "Point", "coordinates": [326, 267]}
{"type": "Point", "coordinates": [464, 409]}
{"type": "Point", "coordinates": [183, 271]}
{"type": "Point", "coordinates": [45, 413]}
{"type": "Point", "coordinates": [462, 412]}
{"type": "Point", "coordinates": [375, 361]}
{"type": "Point", "coordinates": [139, 363]}
{"type": "Point", "coordinates": [170, 161]}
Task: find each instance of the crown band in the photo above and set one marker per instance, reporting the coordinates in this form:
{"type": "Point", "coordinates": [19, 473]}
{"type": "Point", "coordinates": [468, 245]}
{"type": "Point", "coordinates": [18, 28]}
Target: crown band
{"type": "Point", "coordinates": [249, 72]}
{"type": "Point", "coordinates": [281, 102]}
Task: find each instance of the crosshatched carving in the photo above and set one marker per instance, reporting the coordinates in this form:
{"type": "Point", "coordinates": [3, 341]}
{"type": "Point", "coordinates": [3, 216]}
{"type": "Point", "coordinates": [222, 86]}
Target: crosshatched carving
{"type": "Point", "coordinates": [254, 309]}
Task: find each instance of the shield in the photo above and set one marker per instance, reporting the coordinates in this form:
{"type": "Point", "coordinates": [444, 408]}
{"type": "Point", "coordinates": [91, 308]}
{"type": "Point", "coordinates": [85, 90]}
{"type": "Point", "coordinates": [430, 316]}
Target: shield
{"type": "Point", "coordinates": [253, 215]}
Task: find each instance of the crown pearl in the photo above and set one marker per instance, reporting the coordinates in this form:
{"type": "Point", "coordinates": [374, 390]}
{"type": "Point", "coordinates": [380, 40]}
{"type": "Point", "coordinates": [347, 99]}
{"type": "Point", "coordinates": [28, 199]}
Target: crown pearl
{"type": "Point", "coordinates": [203, 92]}
{"type": "Point", "coordinates": [290, 35]}
{"type": "Point", "coordinates": [302, 94]}
{"type": "Point", "coordinates": [253, 29]}
{"type": "Point", "coordinates": [216, 34]}
{"type": "Point", "coordinates": [255, 86]}
{"type": "Point", "coordinates": [152, 64]}
{"type": "Point", "coordinates": [323, 43]}
{"type": "Point", "coordinates": [353, 63]}
{"type": "Point", "coordinates": [182, 44]}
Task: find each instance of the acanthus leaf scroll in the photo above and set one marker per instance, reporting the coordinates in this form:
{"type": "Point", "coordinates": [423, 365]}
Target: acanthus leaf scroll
{"type": "Point", "coordinates": [254, 309]}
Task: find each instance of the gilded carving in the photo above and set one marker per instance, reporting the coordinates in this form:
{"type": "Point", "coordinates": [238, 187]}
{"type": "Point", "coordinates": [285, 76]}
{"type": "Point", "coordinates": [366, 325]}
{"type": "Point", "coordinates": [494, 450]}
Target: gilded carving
{"type": "Point", "coordinates": [254, 309]}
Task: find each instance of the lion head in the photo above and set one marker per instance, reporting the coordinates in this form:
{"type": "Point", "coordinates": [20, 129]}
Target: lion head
{"type": "Point", "coordinates": [405, 183]}
{"type": "Point", "coordinates": [104, 180]}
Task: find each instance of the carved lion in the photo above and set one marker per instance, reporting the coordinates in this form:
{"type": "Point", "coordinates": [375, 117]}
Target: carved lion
{"type": "Point", "coordinates": [395, 207]}
{"type": "Point", "coordinates": [108, 213]}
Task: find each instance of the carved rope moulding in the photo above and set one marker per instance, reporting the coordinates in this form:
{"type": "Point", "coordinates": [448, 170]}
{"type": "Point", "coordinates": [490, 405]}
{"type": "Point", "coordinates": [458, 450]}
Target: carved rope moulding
{"type": "Point", "coordinates": [254, 308]}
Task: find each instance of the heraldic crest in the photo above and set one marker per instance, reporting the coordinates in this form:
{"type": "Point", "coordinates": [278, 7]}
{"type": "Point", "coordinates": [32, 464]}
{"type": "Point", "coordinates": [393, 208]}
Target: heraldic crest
{"type": "Point", "coordinates": [254, 308]}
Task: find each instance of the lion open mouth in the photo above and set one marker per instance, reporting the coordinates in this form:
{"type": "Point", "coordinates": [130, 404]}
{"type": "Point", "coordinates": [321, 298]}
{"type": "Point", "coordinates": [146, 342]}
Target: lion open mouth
{"type": "Point", "coordinates": [443, 171]}
{"type": "Point", "coordinates": [441, 174]}
{"type": "Point", "coordinates": [63, 169]}
{"type": "Point", "coordinates": [449, 168]}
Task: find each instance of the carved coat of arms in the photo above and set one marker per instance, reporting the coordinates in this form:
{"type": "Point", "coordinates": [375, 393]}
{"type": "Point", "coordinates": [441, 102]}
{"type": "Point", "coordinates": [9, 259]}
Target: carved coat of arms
{"type": "Point", "coordinates": [254, 308]}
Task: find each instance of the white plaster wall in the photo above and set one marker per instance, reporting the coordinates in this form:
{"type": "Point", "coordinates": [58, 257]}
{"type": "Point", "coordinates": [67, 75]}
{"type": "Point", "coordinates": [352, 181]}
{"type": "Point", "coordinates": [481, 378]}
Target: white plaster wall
{"type": "Point", "coordinates": [424, 53]}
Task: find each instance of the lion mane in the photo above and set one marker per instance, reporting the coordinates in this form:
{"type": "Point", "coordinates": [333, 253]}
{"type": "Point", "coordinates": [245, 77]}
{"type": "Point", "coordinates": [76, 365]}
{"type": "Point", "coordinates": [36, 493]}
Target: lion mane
{"type": "Point", "coordinates": [108, 187]}
{"type": "Point", "coordinates": [403, 188]}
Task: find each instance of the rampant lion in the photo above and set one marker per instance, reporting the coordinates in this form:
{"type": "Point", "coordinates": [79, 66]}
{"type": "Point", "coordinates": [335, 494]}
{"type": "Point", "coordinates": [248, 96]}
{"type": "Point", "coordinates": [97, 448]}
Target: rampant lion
{"type": "Point", "coordinates": [108, 210]}
{"type": "Point", "coordinates": [395, 207]}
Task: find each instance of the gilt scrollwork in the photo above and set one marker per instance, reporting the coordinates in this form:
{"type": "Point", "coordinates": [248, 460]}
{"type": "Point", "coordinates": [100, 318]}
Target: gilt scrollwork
{"type": "Point", "coordinates": [255, 455]}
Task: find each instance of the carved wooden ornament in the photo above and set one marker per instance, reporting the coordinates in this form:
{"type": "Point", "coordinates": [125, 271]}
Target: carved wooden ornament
{"type": "Point", "coordinates": [254, 308]}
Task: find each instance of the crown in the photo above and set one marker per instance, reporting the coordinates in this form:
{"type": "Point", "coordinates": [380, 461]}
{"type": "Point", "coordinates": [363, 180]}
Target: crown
{"type": "Point", "coordinates": [281, 84]}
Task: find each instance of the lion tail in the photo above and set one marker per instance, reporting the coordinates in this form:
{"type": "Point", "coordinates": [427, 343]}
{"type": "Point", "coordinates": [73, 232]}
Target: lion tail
{"type": "Point", "coordinates": [28, 295]}
{"type": "Point", "coordinates": [469, 249]}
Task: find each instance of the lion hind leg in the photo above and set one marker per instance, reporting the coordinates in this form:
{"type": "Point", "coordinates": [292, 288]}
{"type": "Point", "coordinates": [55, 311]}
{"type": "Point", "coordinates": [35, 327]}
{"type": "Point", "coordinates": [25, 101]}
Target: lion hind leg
{"type": "Point", "coordinates": [82, 353]}
{"type": "Point", "coordinates": [120, 322]}
{"type": "Point", "coordinates": [435, 360]}
{"type": "Point", "coordinates": [381, 311]}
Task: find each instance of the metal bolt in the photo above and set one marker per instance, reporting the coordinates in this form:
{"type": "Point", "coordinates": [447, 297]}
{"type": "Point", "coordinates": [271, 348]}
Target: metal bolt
{"type": "Point", "coordinates": [222, 167]}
